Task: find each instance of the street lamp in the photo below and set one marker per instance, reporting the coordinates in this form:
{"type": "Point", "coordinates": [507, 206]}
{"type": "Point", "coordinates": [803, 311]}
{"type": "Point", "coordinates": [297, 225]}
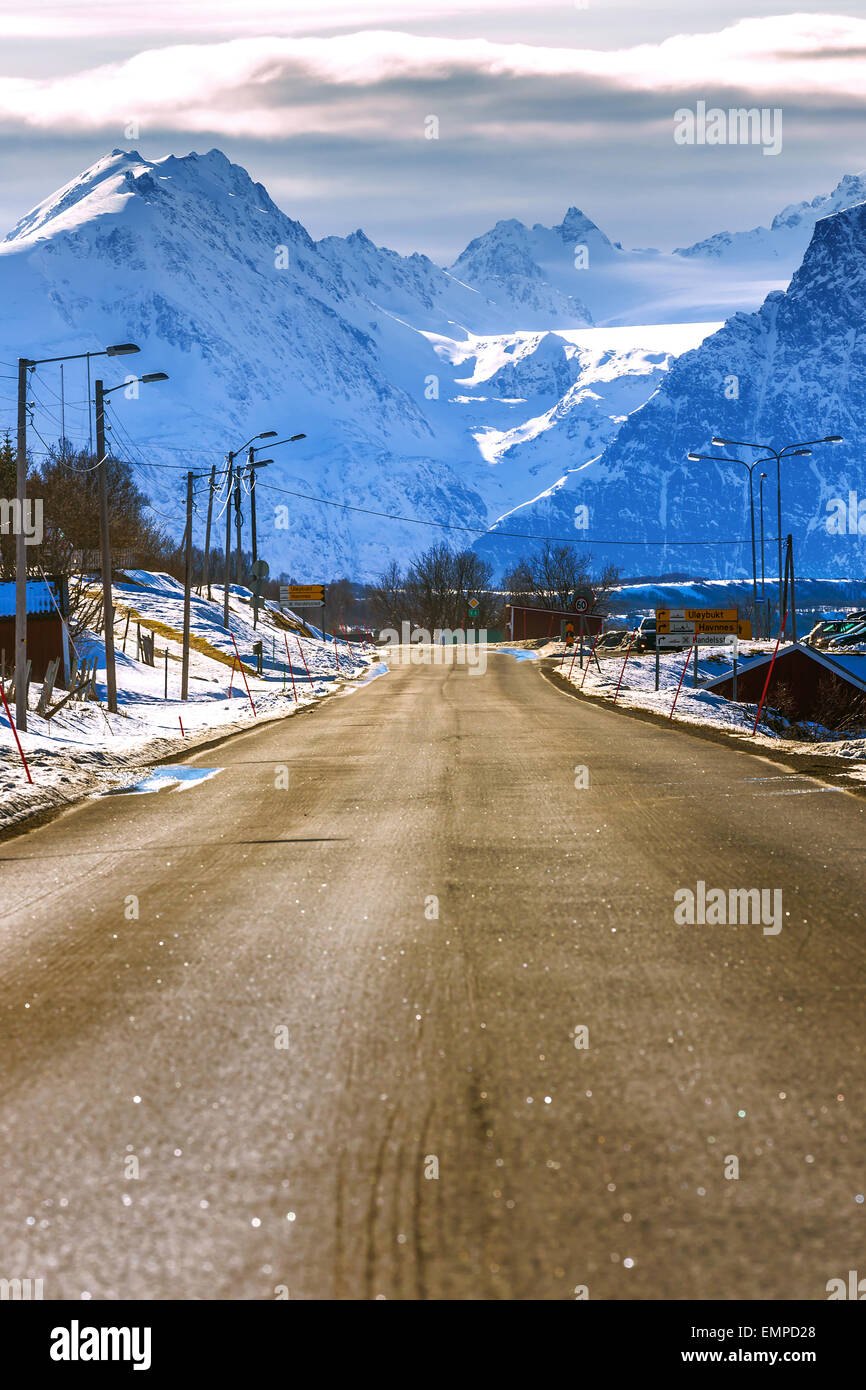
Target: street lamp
{"type": "Point", "coordinates": [25, 365]}
{"type": "Point", "coordinates": [230, 469]}
{"type": "Point", "coordinates": [104, 539]}
{"type": "Point", "coordinates": [252, 464]}
{"type": "Point", "coordinates": [789, 451]}
{"type": "Point", "coordinates": [750, 468]}
{"type": "Point", "coordinates": [761, 482]}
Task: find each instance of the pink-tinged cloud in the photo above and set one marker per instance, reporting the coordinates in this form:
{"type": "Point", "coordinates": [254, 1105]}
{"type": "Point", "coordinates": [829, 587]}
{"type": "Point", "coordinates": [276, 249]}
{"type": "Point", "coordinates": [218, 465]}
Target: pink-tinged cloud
{"type": "Point", "coordinates": [354, 84]}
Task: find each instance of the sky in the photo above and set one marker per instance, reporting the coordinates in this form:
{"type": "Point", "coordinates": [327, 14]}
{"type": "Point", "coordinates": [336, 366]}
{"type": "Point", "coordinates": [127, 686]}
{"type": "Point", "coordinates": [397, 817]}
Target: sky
{"type": "Point", "coordinates": [535, 107]}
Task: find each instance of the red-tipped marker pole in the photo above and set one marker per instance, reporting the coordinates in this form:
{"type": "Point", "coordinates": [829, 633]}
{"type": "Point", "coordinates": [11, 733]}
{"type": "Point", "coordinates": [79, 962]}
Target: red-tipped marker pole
{"type": "Point", "coordinates": [589, 658]}
{"type": "Point", "coordinates": [244, 674]}
{"type": "Point", "coordinates": [622, 672]}
{"type": "Point", "coordinates": [291, 672]}
{"type": "Point", "coordinates": [682, 676]}
{"type": "Point", "coordinates": [770, 672]}
{"type": "Point", "coordinates": [15, 731]}
{"type": "Point", "coordinates": [304, 659]}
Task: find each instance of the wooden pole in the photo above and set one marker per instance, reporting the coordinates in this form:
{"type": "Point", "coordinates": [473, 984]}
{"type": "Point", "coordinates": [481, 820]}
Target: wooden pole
{"type": "Point", "coordinates": [187, 587]}
{"type": "Point", "coordinates": [205, 577]}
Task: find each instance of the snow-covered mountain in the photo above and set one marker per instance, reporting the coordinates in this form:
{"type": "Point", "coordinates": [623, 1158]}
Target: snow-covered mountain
{"type": "Point", "coordinates": [387, 363]}
{"type": "Point", "coordinates": [793, 371]}
{"type": "Point", "coordinates": [784, 242]}
{"type": "Point", "coordinates": [548, 271]}
{"type": "Point", "coordinates": [452, 395]}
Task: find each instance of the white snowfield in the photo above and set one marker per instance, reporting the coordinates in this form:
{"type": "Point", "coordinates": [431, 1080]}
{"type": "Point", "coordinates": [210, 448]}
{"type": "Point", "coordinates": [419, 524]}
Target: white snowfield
{"type": "Point", "coordinates": [85, 749]}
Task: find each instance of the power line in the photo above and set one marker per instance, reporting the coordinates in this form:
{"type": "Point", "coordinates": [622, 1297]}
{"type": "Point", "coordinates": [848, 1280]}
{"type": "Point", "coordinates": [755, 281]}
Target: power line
{"type": "Point", "coordinates": [483, 530]}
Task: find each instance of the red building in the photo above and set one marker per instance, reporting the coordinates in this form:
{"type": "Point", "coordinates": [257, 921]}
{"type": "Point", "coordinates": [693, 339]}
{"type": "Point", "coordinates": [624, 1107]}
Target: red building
{"type": "Point", "coordinates": [47, 626]}
{"type": "Point", "coordinates": [804, 680]}
{"type": "Point", "coordinates": [529, 623]}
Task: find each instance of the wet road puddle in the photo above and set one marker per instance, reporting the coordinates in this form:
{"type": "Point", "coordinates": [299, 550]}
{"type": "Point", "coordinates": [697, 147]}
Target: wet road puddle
{"type": "Point", "coordinates": [162, 778]}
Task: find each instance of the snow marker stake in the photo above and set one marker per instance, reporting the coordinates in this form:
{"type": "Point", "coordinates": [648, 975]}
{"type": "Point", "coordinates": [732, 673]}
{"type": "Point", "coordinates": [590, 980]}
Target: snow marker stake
{"type": "Point", "coordinates": [15, 731]}
{"type": "Point", "coordinates": [622, 672]}
{"type": "Point", "coordinates": [682, 676]}
{"type": "Point", "coordinates": [770, 672]}
{"type": "Point", "coordinates": [291, 672]}
{"type": "Point", "coordinates": [244, 674]}
{"type": "Point", "coordinates": [180, 722]}
{"type": "Point", "coordinates": [574, 658]}
{"type": "Point", "coordinates": [304, 659]}
{"type": "Point", "coordinates": [589, 658]}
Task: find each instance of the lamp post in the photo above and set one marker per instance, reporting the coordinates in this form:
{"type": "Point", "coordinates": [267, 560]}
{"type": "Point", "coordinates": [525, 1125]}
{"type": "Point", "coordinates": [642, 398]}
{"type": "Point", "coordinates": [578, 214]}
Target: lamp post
{"type": "Point", "coordinates": [104, 536]}
{"type": "Point", "coordinates": [761, 482]}
{"type": "Point", "coordinates": [230, 471]}
{"type": "Point", "coordinates": [750, 468]}
{"type": "Point", "coordinates": [801, 450]}
{"type": "Point", "coordinates": [252, 464]}
{"type": "Point", "coordinates": [25, 365]}
{"type": "Point", "coordinates": [262, 463]}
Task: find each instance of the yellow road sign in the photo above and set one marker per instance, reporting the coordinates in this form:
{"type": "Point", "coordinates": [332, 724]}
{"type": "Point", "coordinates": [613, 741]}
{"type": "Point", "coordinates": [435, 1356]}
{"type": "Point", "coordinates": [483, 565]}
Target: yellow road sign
{"type": "Point", "coordinates": [724, 628]}
{"type": "Point", "coordinates": [311, 591]}
{"type": "Point", "coordinates": [720, 622]}
{"type": "Point", "coordinates": [696, 615]}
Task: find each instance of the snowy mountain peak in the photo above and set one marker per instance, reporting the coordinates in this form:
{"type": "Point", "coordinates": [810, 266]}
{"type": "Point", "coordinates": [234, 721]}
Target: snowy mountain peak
{"type": "Point", "coordinates": [164, 185]}
{"type": "Point", "coordinates": [799, 375]}
{"type": "Point", "coordinates": [784, 242]}
{"type": "Point", "coordinates": [576, 226]}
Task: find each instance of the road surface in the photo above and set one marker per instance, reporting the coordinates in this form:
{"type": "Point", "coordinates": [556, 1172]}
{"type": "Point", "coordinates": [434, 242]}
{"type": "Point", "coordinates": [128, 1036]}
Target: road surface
{"type": "Point", "coordinates": [338, 1042]}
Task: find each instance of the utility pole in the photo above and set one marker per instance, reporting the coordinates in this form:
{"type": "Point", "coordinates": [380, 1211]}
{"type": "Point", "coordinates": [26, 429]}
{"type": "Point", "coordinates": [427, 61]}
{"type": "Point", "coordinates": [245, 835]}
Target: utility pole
{"type": "Point", "coordinates": [238, 563]}
{"type": "Point", "coordinates": [230, 459]}
{"type": "Point", "coordinates": [793, 595]}
{"type": "Point", "coordinates": [26, 364]}
{"type": "Point", "coordinates": [205, 577]}
{"type": "Point", "coordinates": [187, 586]}
{"type": "Point", "coordinates": [105, 547]}
{"type": "Point", "coordinates": [228, 555]}
{"type": "Point", "coordinates": [21, 553]}
{"type": "Point", "coordinates": [252, 468]}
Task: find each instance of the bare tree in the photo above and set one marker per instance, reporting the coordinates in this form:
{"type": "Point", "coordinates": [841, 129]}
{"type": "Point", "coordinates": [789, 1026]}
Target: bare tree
{"type": "Point", "coordinates": [339, 603]}
{"type": "Point", "coordinates": [554, 576]}
{"type": "Point", "coordinates": [440, 583]}
{"type": "Point", "coordinates": [387, 599]}
{"type": "Point", "coordinates": [435, 592]}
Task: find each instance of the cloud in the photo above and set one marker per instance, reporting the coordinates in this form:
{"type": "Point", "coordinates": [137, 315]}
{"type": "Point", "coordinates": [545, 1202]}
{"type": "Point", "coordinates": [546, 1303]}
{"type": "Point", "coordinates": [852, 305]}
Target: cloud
{"type": "Point", "coordinates": [77, 19]}
{"type": "Point", "coordinates": [355, 84]}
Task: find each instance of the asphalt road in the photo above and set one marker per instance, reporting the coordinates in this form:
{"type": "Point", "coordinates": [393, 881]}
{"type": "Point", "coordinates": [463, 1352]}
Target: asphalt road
{"type": "Point", "coordinates": [305, 916]}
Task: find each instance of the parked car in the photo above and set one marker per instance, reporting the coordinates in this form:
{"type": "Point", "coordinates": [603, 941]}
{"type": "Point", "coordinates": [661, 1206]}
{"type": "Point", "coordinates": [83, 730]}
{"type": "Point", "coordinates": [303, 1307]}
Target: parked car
{"type": "Point", "coordinates": [852, 635]}
{"type": "Point", "coordinates": [822, 633]}
{"type": "Point", "coordinates": [644, 635]}
{"type": "Point", "coordinates": [840, 632]}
